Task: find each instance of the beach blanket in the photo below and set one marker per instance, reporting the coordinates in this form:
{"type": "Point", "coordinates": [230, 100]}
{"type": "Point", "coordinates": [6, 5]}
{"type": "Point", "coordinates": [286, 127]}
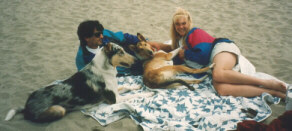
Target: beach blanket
{"type": "Point", "coordinates": [183, 109]}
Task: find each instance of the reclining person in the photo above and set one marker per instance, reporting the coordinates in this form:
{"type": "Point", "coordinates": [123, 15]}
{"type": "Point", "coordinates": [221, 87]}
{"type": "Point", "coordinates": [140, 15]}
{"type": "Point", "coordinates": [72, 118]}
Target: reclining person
{"type": "Point", "coordinates": [93, 36]}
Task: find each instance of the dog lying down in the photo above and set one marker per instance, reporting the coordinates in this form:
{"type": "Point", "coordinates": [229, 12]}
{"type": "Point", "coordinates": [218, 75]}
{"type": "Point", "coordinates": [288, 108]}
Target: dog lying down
{"type": "Point", "coordinates": [94, 83]}
{"type": "Point", "coordinates": [159, 71]}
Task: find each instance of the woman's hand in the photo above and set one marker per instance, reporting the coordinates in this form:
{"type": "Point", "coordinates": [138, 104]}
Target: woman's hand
{"type": "Point", "coordinates": [181, 54]}
{"type": "Point", "coordinates": [160, 46]}
{"type": "Point", "coordinates": [154, 45]}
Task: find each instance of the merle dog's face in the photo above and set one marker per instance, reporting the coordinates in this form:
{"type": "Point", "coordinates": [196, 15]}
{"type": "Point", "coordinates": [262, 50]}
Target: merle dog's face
{"type": "Point", "coordinates": [142, 49]}
{"type": "Point", "coordinates": [118, 56]}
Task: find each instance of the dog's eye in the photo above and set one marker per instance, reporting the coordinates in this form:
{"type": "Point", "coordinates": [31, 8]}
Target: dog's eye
{"type": "Point", "coordinates": [121, 52]}
{"type": "Point", "coordinates": [140, 49]}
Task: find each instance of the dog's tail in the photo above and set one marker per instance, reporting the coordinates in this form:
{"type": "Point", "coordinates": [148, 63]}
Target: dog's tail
{"type": "Point", "coordinates": [177, 82]}
{"type": "Point", "coordinates": [12, 112]}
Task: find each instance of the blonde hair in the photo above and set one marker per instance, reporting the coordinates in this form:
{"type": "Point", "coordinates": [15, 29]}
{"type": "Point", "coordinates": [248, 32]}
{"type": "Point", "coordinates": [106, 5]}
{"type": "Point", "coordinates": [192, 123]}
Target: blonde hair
{"type": "Point", "coordinates": [180, 12]}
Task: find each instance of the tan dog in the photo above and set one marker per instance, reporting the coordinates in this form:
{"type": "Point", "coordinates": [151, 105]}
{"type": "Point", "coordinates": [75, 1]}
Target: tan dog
{"type": "Point", "coordinates": [159, 71]}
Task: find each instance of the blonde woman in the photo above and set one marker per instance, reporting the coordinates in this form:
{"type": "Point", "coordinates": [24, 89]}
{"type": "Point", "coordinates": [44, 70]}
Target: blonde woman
{"type": "Point", "coordinates": [200, 49]}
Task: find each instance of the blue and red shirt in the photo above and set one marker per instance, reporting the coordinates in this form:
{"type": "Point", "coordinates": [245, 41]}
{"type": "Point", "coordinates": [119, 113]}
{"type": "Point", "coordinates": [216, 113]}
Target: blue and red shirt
{"type": "Point", "coordinates": [199, 46]}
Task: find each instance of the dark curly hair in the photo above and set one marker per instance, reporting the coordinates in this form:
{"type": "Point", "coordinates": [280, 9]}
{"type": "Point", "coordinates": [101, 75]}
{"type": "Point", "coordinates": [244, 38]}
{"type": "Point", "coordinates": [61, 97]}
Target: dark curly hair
{"type": "Point", "coordinates": [86, 30]}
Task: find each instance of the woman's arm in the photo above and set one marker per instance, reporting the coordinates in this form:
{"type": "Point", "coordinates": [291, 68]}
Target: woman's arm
{"type": "Point", "coordinates": [160, 46]}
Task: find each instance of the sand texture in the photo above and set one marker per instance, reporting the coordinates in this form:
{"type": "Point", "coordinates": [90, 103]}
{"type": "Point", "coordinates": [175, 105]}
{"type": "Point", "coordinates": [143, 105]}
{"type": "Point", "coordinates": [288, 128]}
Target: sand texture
{"type": "Point", "coordinates": [38, 43]}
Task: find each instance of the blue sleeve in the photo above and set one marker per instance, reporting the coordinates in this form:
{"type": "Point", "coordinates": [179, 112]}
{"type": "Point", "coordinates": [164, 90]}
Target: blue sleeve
{"type": "Point", "coordinates": [79, 60]}
{"type": "Point", "coordinates": [82, 60]}
{"type": "Point", "coordinates": [120, 37]}
{"type": "Point", "coordinates": [116, 37]}
{"type": "Point", "coordinates": [200, 53]}
{"type": "Point", "coordinates": [130, 39]}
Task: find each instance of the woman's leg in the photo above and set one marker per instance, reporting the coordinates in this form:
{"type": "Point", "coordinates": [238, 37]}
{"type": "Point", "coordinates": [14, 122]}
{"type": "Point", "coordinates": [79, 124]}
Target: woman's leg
{"type": "Point", "coordinates": [225, 89]}
{"type": "Point", "coordinates": [229, 82]}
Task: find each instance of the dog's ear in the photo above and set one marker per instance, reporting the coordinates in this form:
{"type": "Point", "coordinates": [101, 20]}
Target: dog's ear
{"type": "Point", "coordinates": [140, 37]}
{"type": "Point", "coordinates": [107, 50]}
{"type": "Point", "coordinates": [108, 47]}
{"type": "Point", "coordinates": [132, 47]}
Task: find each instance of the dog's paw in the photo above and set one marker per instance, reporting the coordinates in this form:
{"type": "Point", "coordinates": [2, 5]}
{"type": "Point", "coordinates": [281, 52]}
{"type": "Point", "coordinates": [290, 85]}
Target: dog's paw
{"type": "Point", "coordinates": [125, 88]}
{"type": "Point", "coordinates": [147, 94]}
{"type": "Point", "coordinates": [135, 87]}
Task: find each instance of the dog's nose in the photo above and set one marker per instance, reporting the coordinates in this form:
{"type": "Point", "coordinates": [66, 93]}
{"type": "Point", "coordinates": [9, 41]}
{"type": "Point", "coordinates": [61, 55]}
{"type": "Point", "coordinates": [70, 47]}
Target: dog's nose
{"type": "Point", "coordinates": [150, 53]}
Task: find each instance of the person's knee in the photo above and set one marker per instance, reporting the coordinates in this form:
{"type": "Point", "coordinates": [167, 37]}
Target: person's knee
{"type": "Point", "coordinates": [217, 75]}
{"type": "Point", "coordinates": [220, 89]}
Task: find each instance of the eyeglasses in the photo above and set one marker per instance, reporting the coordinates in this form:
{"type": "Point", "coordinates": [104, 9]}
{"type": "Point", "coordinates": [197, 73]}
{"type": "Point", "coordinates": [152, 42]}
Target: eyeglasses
{"type": "Point", "coordinates": [97, 34]}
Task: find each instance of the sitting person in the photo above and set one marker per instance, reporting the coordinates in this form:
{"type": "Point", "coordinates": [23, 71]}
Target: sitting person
{"type": "Point", "coordinates": [93, 36]}
{"type": "Point", "coordinates": [201, 49]}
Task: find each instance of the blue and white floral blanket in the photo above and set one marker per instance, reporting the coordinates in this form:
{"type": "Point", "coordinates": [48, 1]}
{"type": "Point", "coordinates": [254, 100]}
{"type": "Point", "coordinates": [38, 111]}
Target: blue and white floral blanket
{"type": "Point", "coordinates": [183, 109]}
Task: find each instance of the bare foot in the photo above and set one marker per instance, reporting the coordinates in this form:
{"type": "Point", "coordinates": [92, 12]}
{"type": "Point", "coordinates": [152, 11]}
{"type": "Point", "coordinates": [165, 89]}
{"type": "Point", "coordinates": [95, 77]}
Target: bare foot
{"type": "Point", "coordinates": [276, 85]}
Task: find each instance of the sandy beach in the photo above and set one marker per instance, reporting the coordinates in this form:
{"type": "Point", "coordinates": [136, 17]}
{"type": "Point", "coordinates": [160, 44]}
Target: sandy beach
{"type": "Point", "coordinates": [39, 43]}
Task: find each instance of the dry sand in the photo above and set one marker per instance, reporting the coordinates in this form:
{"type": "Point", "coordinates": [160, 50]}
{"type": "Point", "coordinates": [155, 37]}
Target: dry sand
{"type": "Point", "coordinates": [39, 42]}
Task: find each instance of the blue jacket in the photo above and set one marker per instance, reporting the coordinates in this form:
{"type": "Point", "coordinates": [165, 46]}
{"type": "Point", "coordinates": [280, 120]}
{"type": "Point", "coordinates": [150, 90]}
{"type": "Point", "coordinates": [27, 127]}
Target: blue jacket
{"type": "Point", "coordinates": [199, 45]}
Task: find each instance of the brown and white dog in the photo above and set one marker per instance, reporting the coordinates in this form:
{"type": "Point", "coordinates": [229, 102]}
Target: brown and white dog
{"type": "Point", "coordinates": [95, 82]}
{"type": "Point", "coordinates": [159, 71]}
